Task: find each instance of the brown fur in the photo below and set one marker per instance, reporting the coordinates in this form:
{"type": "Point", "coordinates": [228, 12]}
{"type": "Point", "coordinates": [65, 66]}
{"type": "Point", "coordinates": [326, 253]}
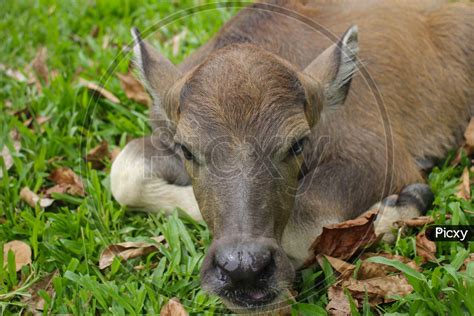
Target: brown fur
{"type": "Point", "coordinates": [410, 102]}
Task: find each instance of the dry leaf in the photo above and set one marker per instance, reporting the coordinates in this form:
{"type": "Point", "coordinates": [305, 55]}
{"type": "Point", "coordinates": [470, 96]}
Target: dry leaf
{"type": "Point", "coordinates": [105, 42]}
{"type": "Point", "coordinates": [53, 74]}
{"type": "Point", "coordinates": [127, 250]}
{"type": "Point", "coordinates": [7, 156]}
{"type": "Point", "coordinates": [61, 189]}
{"type": "Point", "coordinates": [373, 279]}
{"type": "Point", "coordinates": [32, 198]}
{"type": "Point", "coordinates": [134, 89]}
{"type": "Point", "coordinates": [419, 221]}
{"type": "Point", "coordinates": [39, 120]}
{"type": "Point", "coordinates": [22, 253]}
{"type": "Point", "coordinates": [97, 155]}
{"type": "Point", "coordinates": [67, 181]}
{"type": "Point", "coordinates": [14, 74]}
{"type": "Point", "coordinates": [342, 240]}
{"type": "Point", "coordinates": [95, 31]}
{"type": "Point", "coordinates": [368, 270]}
{"type": "Point", "coordinates": [379, 290]}
{"type": "Point", "coordinates": [338, 303]}
{"type": "Point", "coordinates": [344, 268]}
{"type": "Point", "coordinates": [142, 266]}
{"type": "Point", "coordinates": [464, 188]}
{"type": "Point", "coordinates": [173, 308]}
{"type": "Point", "coordinates": [98, 91]}
{"type": "Point", "coordinates": [425, 247]}
{"type": "Point", "coordinates": [36, 302]}
{"type": "Point", "coordinates": [42, 119]}
{"type": "Point", "coordinates": [39, 64]}
{"type": "Point", "coordinates": [466, 262]}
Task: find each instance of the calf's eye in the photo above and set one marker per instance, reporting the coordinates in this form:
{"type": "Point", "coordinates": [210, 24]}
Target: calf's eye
{"type": "Point", "coordinates": [297, 148]}
{"type": "Point", "coordinates": [186, 152]}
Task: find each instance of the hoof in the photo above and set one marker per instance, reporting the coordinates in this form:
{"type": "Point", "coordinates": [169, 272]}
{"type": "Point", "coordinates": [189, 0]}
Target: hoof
{"type": "Point", "coordinates": [418, 195]}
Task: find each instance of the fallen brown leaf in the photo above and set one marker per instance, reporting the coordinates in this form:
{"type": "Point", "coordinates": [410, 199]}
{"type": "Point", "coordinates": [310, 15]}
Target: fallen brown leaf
{"type": "Point", "coordinates": [372, 280]}
{"type": "Point", "coordinates": [127, 250]}
{"type": "Point", "coordinates": [21, 250]}
{"type": "Point", "coordinates": [39, 64]}
{"type": "Point", "coordinates": [36, 302]}
{"type": "Point", "coordinates": [14, 74]}
{"type": "Point", "coordinates": [466, 262]}
{"type": "Point", "coordinates": [98, 91]}
{"type": "Point", "coordinates": [379, 282]}
{"type": "Point", "coordinates": [67, 182]}
{"type": "Point", "coordinates": [338, 302]}
{"type": "Point", "coordinates": [379, 290]}
{"type": "Point", "coordinates": [419, 221]}
{"type": "Point", "coordinates": [369, 270]}
{"type": "Point", "coordinates": [53, 74]}
{"type": "Point", "coordinates": [342, 240]}
{"type": "Point", "coordinates": [105, 42]}
{"type": "Point", "coordinates": [95, 31]}
{"type": "Point", "coordinates": [32, 198]}
{"type": "Point", "coordinates": [98, 154]}
{"type": "Point", "coordinates": [59, 188]}
{"type": "Point", "coordinates": [6, 154]}
{"type": "Point", "coordinates": [142, 267]}
{"type": "Point", "coordinates": [344, 268]}
{"type": "Point", "coordinates": [40, 120]}
{"type": "Point", "coordinates": [55, 159]}
{"type": "Point", "coordinates": [173, 308]}
{"type": "Point", "coordinates": [464, 188]}
{"type": "Point", "coordinates": [33, 78]}
{"type": "Point", "coordinates": [425, 248]}
{"type": "Point", "coordinates": [134, 89]}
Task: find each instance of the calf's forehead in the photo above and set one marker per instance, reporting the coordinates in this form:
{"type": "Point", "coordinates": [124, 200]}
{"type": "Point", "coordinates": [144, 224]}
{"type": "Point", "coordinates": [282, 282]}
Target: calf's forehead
{"type": "Point", "coordinates": [243, 93]}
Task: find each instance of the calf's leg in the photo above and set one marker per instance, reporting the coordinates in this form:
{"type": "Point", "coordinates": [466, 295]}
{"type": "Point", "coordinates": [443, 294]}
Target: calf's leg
{"type": "Point", "coordinates": [414, 200]}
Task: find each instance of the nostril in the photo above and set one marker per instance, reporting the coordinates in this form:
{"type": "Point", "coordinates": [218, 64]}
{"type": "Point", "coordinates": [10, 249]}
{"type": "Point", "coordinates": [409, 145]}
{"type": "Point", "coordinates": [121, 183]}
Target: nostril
{"type": "Point", "coordinates": [221, 274]}
{"type": "Point", "coordinates": [263, 260]}
{"type": "Point", "coordinates": [249, 264]}
{"type": "Point", "coordinates": [267, 270]}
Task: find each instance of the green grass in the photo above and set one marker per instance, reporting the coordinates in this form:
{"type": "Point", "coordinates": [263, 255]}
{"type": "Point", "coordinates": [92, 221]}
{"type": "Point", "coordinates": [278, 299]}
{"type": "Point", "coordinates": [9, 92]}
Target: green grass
{"type": "Point", "coordinates": [69, 236]}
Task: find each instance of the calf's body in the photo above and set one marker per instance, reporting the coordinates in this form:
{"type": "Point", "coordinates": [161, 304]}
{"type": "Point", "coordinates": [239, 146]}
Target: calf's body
{"type": "Point", "coordinates": [409, 105]}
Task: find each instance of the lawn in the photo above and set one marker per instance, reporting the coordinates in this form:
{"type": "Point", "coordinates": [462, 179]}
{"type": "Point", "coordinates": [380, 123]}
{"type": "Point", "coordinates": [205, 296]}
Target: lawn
{"type": "Point", "coordinates": [53, 120]}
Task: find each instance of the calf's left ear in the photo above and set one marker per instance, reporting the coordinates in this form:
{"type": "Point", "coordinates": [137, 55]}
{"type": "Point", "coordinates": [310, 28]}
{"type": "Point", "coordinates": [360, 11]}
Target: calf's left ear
{"type": "Point", "coordinates": [158, 74]}
{"type": "Point", "coordinates": [335, 67]}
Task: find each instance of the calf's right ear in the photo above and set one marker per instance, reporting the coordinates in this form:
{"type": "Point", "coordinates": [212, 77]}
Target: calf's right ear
{"type": "Point", "coordinates": [335, 67]}
{"type": "Point", "coordinates": [158, 75]}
